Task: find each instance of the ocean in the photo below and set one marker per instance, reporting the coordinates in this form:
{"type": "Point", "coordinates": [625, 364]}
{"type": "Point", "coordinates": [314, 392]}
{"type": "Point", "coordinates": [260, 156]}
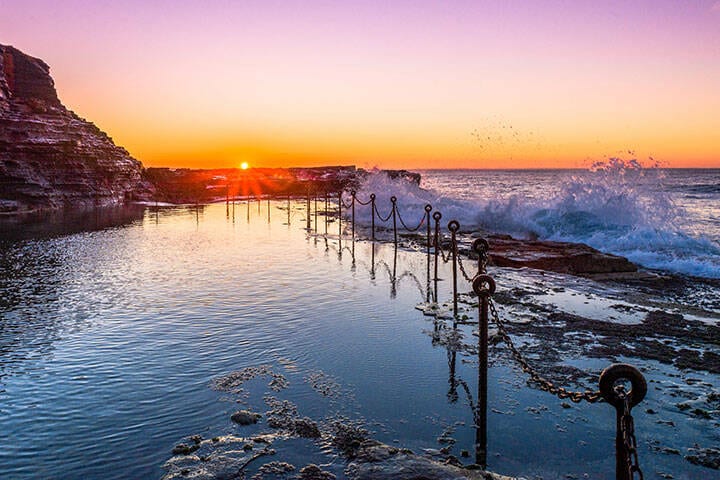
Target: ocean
{"type": "Point", "coordinates": [117, 326]}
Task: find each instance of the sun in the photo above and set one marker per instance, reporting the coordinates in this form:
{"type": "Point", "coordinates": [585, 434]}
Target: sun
{"type": "Point", "coordinates": [244, 166]}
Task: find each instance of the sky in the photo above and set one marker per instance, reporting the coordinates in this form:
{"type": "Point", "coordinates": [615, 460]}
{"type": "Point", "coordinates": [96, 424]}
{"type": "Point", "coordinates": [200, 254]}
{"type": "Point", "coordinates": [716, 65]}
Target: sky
{"type": "Point", "coordinates": [393, 84]}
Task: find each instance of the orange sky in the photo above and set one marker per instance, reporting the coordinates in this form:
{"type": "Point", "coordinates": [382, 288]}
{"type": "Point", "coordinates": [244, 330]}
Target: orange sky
{"type": "Point", "coordinates": [398, 85]}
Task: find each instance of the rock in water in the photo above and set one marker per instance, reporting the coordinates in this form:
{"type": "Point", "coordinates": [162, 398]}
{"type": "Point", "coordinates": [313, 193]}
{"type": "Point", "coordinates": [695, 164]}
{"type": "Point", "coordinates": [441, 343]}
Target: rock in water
{"type": "Point", "coordinates": [49, 156]}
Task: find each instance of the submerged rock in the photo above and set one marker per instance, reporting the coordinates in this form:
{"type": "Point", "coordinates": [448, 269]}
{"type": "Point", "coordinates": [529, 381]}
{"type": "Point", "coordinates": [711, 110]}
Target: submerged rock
{"type": "Point", "coordinates": [376, 461]}
{"type": "Point", "coordinates": [707, 457]}
{"type": "Point", "coordinates": [217, 458]}
{"type": "Point", "coordinates": [313, 472]}
{"type": "Point", "coordinates": [245, 417]}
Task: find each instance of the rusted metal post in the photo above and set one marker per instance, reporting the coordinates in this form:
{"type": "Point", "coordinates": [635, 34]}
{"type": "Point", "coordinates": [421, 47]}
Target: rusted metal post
{"type": "Point", "coordinates": [353, 193]}
{"type": "Point", "coordinates": [454, 226]}
{"type": "Point", "coordinates": [428, 209]}
{"type": "Point", "coordinates": [437, 216]}
{"type": "Point", "coordinates": [393, 199]}
{"type": "Point", "coordinates": [340, 217]}
{"type": "Point", "coordinates": [372, 213]}
{"type": "Point", "coordinates": [612, 390]}
{"type": "Point", "coordinates": [247, 200]}
{"type": "Point", "coordinates": [259, 200]}
{"type": "Point", "coordinates": [483, 292]}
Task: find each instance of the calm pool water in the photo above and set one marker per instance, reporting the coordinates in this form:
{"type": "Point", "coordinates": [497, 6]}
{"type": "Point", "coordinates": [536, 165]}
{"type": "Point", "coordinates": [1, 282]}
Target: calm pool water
{"type": "Point", "coordinates": [112, 328]}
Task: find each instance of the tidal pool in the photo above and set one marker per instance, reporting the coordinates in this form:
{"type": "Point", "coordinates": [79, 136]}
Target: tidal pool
{"type": "Point", "coordinates": [113, 329]}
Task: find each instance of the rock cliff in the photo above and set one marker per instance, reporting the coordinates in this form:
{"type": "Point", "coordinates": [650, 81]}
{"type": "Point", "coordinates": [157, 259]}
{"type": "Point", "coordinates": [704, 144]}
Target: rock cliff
{"type": "Point", "coordinates": [49, 156]}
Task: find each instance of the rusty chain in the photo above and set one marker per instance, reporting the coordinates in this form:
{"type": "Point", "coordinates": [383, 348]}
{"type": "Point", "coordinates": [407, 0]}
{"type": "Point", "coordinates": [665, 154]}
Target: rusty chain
{"type": "Point", "coordinates": [627, 427]}
{"type": "Point", "coordinates": [439, 248]}
{"type": "Point", "coordinates": [347, 205]}
{"type": "Point", "coordinates": [543, 383]}
{"type": "Point", "coordinates": [462, 268]}
{"type": "Point", "coordinates": [402, 222]}
{"type": "Point", "coordinates": [380, 217]}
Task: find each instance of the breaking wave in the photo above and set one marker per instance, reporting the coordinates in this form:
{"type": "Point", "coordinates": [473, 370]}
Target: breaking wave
{"type": "Point", "coordinates": [616, 206]}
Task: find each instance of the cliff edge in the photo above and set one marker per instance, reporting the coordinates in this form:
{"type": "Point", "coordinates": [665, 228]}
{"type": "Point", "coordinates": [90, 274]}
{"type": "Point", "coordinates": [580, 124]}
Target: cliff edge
{"type": "Point", "coordinates": [49, 156]}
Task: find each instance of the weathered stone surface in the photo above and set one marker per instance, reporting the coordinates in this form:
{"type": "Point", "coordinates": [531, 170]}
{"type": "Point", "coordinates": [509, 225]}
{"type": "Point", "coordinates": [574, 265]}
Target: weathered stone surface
{"type": "Point", "coordinates": [561, 257]}
{"type": "Point", "coordinates": [245, 417]}
{"type": "Point", "coordinates": [49, 156]}
{"type": "Point", "coordinates": [376, 461]}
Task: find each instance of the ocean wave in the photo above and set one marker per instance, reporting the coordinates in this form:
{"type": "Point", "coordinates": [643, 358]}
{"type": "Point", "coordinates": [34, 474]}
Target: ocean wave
{"type": "Point", "coordinates": [615, 207]}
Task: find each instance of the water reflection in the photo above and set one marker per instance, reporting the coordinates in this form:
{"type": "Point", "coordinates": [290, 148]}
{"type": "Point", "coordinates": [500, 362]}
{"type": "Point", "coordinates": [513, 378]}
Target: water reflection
{"type": "Point", "coordinates": [54, 223]}
{"type": "Point", "coordinates": [35, 308]}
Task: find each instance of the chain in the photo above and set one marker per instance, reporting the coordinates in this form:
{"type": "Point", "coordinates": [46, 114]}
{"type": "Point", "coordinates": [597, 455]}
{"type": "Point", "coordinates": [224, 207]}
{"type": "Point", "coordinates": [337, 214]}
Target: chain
{"type": "Point", "coordinates": [380, 216]}
{"type": "Point", "coordinates": [442, 252]}
{"type": "Point", "coordinates": [543, 383]}
{"type": "Point", "coordinates": [361, 202]}
{"type": "Point", "coordinates": [402, 222]}
{"type": "Point", "coordinates": [627, 427]}
{"type": "Point", "coordinates": [346, 205]}
{"type": "Point", "coordinates": [462, 269]}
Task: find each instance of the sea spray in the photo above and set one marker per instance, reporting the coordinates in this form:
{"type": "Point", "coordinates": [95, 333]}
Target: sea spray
{"type": "Point", "coordinates": [617, 206]}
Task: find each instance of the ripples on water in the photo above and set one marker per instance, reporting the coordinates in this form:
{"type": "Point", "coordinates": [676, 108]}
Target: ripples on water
{"type": "Point", "coordinates": [110, 336]}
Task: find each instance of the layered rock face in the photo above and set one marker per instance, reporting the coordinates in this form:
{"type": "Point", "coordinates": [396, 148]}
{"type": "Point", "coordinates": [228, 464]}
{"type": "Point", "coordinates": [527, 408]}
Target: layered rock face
{"type": "Point", "coordinates": [49, 156]}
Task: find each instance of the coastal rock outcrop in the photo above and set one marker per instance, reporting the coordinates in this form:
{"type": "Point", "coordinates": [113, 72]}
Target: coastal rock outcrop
{"type": "Point", "coordinates": [49, 156]}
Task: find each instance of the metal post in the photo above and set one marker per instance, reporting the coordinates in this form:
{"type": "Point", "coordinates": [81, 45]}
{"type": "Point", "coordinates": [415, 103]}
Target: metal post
{"type": "Point", "coordinates": [437, 216]}
{"type": "Point", "coordinates": [353, 193]}
{"type": "Point", "coordinates": [288, 199]}
{"type": "Point", "coordinates": [393, 199]}
{"type": "Point", "coordinates": [372, 213]}
{"type": "Point", "coordinates": [626, 462]}
{"type": "Point", "coordinates": [315, 211]}
{"type": "Point", "coordinates": [227, 200]}
{"type": "Point", "coordinates": [326, 212]}
{"type": "Point", "coordinates": [483, 294]}
{"type": "Point", "coordinates": [428, 209]}
{"type": "Point", "coordinates": [268, 205]}
{"type": "Point", "coordinates": [247, 200]}
{"type": "Point", "coordinates": [454, 226]}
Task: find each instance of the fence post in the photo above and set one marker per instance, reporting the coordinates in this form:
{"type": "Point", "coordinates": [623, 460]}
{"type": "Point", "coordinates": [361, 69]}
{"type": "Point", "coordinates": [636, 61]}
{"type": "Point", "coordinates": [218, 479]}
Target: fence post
{"type": "Point", "coordinates": [248, 208]}
{"type": "Point", "coordinates": [428, 209]}
{"type": "Point", "coordinates": [353, 193]}
{"type": "Point", "coordinates": [340, 217]}
{"type": "Point", "coordinates": [626, 457]}
{"type": "Point", "coordinates": [288, 209]}
{"type": "Point", "coordinates": [483, 294]}
{"type": "Point", "coordinates": [437, 216]}
{"type": "Point", "coordinates": [268, 205]}
{"type": "Point", "coordinates": [393, 199]}
{"type": "Point", "coordinates": [316, 211]}
{"type": "Point", "coordinates": [372, 213]}
{"type": "Point", "coordinates": [454, 226]}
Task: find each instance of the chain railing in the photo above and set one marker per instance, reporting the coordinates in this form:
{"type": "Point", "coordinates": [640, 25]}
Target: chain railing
{"type": "Point", "coordinates": [610, 389]}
